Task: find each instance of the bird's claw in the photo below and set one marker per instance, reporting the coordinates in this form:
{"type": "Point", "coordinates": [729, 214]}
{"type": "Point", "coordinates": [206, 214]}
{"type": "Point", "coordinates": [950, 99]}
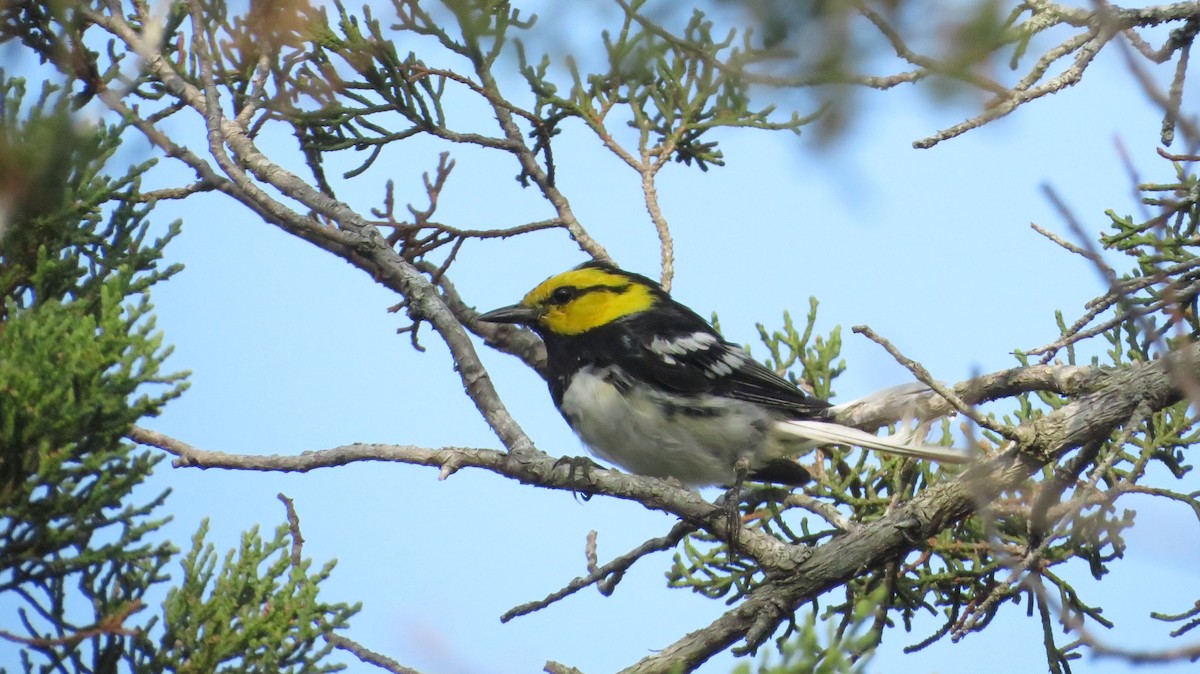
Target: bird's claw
{"type": "Point", "coordinates": [577, 467]}
{"type": "Point", "coordinates": [730, 503]}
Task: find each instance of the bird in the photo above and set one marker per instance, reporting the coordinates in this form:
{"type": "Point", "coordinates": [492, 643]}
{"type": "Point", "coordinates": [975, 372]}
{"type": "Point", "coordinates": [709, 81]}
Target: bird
{"type": "Point", "coordinates": [650, 386]}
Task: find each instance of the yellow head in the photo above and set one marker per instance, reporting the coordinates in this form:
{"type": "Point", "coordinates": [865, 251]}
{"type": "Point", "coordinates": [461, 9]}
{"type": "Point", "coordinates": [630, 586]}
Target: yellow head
{"type": "Point", "coordinates": [584, 298]}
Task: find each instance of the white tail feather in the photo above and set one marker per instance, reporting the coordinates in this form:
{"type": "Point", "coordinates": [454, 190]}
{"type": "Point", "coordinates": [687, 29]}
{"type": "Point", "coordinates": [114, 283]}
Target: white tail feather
{"type": "Point", "coordinates": [823, 432]}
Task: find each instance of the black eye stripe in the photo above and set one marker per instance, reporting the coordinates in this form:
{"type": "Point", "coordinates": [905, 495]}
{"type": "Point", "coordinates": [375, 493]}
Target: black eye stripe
{"type": "Point", "coordinates": [564, 294]}
{"type": "Point", "coordinates": [603, 288]}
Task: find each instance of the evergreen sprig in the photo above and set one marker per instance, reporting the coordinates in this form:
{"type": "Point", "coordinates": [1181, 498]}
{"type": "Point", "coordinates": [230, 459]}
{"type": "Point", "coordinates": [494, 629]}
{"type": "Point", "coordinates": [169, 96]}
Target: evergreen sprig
{"type": "Point", "coordinates": [80, 363]}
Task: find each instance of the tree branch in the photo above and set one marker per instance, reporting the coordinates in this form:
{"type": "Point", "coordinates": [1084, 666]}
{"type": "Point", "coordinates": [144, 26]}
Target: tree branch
{"type": "Point", "coordinates": [796, 574]}
{"type": "Point", "coordinates": [533, 467]}
{"type": "Point", "coordinates": [613, 569]}
{"type": "Point", "coordinates": [357, 241]}
{"type": "Point", "coordinates": [1087, 419]}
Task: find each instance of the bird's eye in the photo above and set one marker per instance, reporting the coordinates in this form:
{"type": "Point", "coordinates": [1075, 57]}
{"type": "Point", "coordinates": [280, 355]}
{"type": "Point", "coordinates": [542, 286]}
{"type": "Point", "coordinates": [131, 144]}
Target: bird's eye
{"type": "Point", "coordinates": [563, 295]}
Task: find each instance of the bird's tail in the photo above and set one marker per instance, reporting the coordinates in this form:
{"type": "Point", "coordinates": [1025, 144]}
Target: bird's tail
{"type": "Point", "coordinates": [826, 433]}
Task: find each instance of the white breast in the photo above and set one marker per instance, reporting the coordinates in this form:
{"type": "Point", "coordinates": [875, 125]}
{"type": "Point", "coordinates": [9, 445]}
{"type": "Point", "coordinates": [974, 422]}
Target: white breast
{"type": "Point", "coordinates": [649, 433]}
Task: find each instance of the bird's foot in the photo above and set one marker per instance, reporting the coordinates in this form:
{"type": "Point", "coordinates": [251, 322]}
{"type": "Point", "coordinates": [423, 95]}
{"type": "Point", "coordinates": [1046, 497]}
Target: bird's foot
{"type": "Point", "coordinates": [579, 474]}
{"type": "Point", "coordinates": [730, 504]}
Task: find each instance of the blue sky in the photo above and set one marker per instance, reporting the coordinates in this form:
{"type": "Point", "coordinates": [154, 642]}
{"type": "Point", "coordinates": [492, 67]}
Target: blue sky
{"type": "Point", "coordinates": [293, 350]}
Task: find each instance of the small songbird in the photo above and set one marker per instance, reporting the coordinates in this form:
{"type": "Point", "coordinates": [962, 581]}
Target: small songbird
{"type": "Point", "coordinates": [650, 386]}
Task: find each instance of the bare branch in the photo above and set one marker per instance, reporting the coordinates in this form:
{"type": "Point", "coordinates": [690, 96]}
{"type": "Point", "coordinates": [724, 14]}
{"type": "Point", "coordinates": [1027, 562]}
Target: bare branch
{"type": "Point", "coordinates": [666, 245]}
{"type": "Point", "coordinates": [1068, 380]}
{"type": "Point", "coordinates": [367, 655]}
{"type": "Point", "coordinates": [826, 511]}
{"type": "Point", "coordinates": [924, 377]}
{"type": "Point", "coordinates": [531, 467]}
{"type": "Point", "coordinates": [613, 570]}
{"type": "Point", "coordinates": [529, 163]}
{"type": "Point", "coordinates": [294, 527]}
{"type": "Point", "coordinates": [1058, 239]}
{"type": "Point", "coordinates": [926, 64]}
{"type": "Point", "coordinates": [519, 342]}
{"type": "Point", "coordinates": [1009, 102]}
{"type": "Point", "coordinates": [111, 625]}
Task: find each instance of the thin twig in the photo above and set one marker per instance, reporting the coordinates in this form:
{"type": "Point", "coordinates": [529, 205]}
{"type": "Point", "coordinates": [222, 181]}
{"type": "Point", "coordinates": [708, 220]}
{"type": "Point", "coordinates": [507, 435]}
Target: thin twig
{"type": "Point", "coordinates": [367, 655]}
{"type": "Point", "coordinates": [1168, 102]}
{"type": "Point", "coordinates": [951, 397]}
{"type": "Point", "coordinates": [616, 567]}
{"type": "Point", "coordinates": [111, 625]}
{"type": "Point", "coordinates": [1058, 239]}
{"type": "Point", "coordinates": [528, 158]}
{"type": "Point", "coordinates": [1084, 637]}
{"type": "Point", "coordinates": [294, 527]}
{"type": "Point", "coordinates": [666, 245]}
{"type": "Point", "coordinates": [929, 65]}
{"type": "Point", "coordinates": [826, 511]}
{"type": "Point", "coordinates": [1007, 103]}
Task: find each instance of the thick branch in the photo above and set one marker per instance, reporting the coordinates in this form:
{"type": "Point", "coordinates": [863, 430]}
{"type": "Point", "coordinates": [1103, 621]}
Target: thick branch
{"type": "Point", "coordinates": [1090, 418]}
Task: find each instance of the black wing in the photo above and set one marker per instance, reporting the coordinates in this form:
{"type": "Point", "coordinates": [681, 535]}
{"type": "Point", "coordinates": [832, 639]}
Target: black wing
{"type": "Point", "coordinates": [679, 352]}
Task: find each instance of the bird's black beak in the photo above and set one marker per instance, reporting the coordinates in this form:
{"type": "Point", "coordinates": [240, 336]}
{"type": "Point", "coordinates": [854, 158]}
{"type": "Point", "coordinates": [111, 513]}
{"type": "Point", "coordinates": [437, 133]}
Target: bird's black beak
{"type": "Point", "coordinates": [517, 313]}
